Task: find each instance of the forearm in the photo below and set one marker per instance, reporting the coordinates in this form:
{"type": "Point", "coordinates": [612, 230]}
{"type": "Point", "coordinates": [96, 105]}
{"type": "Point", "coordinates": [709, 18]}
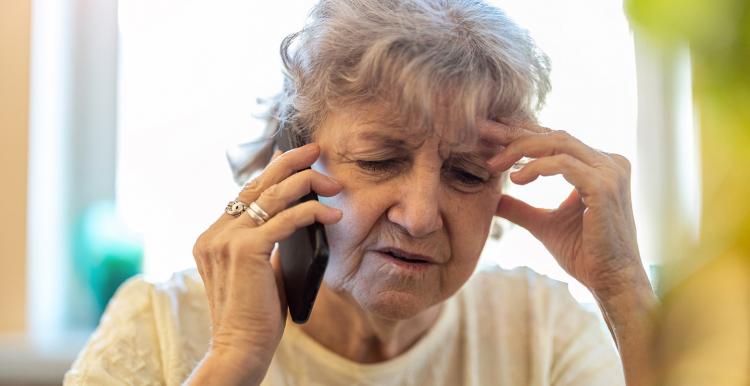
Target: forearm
{"type": "Point", "coordinates": [630, 317]}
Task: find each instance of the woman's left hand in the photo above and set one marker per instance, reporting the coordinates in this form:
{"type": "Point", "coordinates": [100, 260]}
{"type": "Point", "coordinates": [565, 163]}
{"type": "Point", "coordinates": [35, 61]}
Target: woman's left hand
{"type": "Point", "coordinates": [592, 233]}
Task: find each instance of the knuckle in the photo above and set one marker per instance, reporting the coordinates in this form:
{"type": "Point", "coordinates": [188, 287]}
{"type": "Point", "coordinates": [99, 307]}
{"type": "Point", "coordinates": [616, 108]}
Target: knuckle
{"type": "Point", "coordinates": [566, 160]}
{"type": "Point", "coordinates": [306, 206]}
{"type": "Point", "coordinates": [303, 180]}
{"type": "Point", "coordinates": [252, 187]}
{"type": "Point", "coordinates": [199, 247]}
{"type": "Point", "coordinates": [310, 209]}
{"type": "Point", "coordinates": [307, 173]}
{"type": "Point", "coordinates": [623, 162]}
{"type": "Point", "coordinates": [561, 135]}
{"type": "Point", "coordinates": [205, 246]}
{"type": "Point", "coordinates": [274, 192]}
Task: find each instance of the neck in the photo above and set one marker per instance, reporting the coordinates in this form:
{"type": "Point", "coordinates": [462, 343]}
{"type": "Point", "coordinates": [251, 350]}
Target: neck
{"type": "Point", "coordinates": [342, 326]}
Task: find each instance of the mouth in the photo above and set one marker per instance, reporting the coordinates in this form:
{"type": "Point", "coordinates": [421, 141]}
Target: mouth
{"type": "Point", "coordinates": [406, 258]}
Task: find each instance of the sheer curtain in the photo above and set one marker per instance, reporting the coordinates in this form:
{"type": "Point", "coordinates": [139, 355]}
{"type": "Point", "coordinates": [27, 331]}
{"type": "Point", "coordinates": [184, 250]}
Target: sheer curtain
{"type": "Point", "coordinates": [190, 74]}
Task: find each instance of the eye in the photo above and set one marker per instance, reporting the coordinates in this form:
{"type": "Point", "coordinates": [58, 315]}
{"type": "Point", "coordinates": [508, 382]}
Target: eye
{"type": "Point", "coordinates": [466, 178]}
{"type": "Point", "coordinates": [388, 165]}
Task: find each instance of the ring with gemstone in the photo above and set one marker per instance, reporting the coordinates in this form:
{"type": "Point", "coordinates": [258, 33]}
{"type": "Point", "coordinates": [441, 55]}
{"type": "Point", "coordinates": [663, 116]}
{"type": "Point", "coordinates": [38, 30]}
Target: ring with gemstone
{"type": "Point", "coordinates": [235, 208]}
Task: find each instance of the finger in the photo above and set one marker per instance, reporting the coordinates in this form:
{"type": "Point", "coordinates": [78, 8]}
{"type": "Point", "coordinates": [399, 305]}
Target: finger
{"type": "Point", "coordinates": [276, 154]}
{"type": "Point", "coordinates": [285, 223]}
{"type": "Point", "coordinates": [521, 213]}
{"type": "Point", "coordinates": [542, 145]}
{"type": "Point", "coordinates": [573, 202]}
{"type": "Point", "coordinates": [280, 168]}
{"type": "Point", "coordinates": [279, 196]}
{"type": "Point", "coordinates": [526, 124]}
{"type": "Point", "coordinates": [573, 170]}
{"type": "Point", "coordinates": [501, 134]}
{"type": "Point", "coordinates": [621, 161]}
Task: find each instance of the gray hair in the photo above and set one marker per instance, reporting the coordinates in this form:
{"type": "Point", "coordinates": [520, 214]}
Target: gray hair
{"type": "Point", "coordinates": [422, 61]}
{"type": "Point", "coordinates": [425, 61]}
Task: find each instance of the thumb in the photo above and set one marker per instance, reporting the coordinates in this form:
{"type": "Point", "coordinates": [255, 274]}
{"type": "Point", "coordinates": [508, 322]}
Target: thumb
{"type": "Point", "coordinates": [521, 213]}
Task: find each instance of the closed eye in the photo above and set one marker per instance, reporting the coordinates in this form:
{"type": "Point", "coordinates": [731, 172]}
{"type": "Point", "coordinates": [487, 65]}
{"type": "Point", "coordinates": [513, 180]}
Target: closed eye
{"type": "Point", "coordinates": [466, 178]}
{"type": "Point", "coordinates": [388, 165]}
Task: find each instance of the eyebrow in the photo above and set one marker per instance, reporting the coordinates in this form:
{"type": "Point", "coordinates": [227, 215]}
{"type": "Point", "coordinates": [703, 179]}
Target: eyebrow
{"type": "Point", "coordinates": [479, 154]}
{"type": "Point", "coordinates": [400, 143]}
{"type": "Point", "coordinates": [389, 140]}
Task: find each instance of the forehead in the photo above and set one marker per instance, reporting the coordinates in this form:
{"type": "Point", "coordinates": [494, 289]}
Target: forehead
{"type": "Point", "coordinates": [350, 128]}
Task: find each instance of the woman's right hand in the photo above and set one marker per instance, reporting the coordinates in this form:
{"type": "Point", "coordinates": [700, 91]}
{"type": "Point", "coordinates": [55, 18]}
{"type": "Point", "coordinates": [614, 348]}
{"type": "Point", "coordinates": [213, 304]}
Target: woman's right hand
{"type": "Point", "coordinates": [243, 280]}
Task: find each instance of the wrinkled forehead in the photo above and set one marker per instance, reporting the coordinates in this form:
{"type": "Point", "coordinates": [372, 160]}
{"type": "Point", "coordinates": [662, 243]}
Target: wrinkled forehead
{"type": "Point", "coordinates": [377, 124]}
{"type": "Point", "coordinates": [374, 125]}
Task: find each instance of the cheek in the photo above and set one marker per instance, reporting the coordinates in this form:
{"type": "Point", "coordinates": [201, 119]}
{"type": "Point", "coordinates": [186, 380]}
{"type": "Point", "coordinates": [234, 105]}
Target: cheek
{"type": "Point", "coordinates": [469, 227]}
{"type": "Point", "coordinates": [353, 225]}
{"type": "Point", "coordinates": [348, 238]}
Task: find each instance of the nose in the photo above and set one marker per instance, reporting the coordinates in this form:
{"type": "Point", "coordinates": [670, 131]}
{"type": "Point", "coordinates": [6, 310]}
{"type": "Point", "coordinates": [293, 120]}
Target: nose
{"type": "Point", "coordinates": [417, 208]}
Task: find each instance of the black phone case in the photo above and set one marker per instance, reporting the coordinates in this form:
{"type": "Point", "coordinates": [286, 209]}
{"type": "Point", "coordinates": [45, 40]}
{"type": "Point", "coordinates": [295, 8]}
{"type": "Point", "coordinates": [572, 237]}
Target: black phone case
{"type": "Point", "coordinates": [304, 254]}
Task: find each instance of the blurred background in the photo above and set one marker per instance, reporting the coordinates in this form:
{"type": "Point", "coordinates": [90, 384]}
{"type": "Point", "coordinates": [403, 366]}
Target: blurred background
{"type": "Point", "coordinates": [115, 119]}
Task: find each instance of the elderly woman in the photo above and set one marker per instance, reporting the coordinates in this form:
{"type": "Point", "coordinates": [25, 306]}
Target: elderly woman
{"type": "Point", "coordinates": [412, 111]}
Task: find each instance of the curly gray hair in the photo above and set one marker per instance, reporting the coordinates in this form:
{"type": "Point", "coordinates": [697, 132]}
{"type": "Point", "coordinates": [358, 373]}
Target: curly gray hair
{"type": "Point", "coordinates": [423, 61]}
{"type": "Point", "coordinates": [426, 60]}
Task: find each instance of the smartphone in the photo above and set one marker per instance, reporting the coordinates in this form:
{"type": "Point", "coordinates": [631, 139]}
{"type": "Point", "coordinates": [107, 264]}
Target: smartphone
{"type": "Point", "coordinates": [304, 255]}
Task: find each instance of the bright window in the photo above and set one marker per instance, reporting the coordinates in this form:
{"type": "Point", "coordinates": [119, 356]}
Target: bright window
{"type": "Point", "coordinates": [190, 74]}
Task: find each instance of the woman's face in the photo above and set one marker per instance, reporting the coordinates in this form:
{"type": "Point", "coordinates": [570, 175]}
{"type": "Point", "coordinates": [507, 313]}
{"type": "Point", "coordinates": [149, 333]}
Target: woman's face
{"type": "Point", "coordinates": [423, 197]}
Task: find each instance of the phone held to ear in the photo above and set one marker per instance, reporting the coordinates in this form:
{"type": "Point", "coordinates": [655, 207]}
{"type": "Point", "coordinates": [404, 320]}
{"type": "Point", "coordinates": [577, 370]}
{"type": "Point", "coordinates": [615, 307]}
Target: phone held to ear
{"type": "Point", "coordinates": [304, 255]}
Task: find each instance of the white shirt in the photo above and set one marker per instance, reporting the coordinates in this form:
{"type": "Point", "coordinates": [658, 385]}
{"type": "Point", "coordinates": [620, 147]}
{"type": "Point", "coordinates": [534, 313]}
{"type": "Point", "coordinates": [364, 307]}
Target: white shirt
{"type": "Point", "coordinates": [505, 328]}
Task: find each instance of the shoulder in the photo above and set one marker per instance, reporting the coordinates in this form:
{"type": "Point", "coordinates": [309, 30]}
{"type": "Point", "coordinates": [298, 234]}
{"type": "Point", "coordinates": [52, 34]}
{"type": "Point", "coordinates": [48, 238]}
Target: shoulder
{"type": "Point", "coordinates": [151, 333]}
{"type": "Point", "coordinates": [124, 347]}
{"type": "Point", "coordinates": [517, 286]}
{"type": "Point", "coordinates": [519, 300]}
{"type": "Point", "coordinates": [182, 295]}
{"type": "Point", "coordinates": [529, 315]}
{"type": "Point", "coordinates": [523, 293]}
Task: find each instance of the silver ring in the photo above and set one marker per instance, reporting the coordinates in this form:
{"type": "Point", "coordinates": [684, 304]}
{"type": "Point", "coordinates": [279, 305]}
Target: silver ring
{"type": "Point", "coordinates": [259, 211]}
{"type": "Point", "coordinates": [256, 217]}
{"type": "Point", "coordinates": [235, 208]}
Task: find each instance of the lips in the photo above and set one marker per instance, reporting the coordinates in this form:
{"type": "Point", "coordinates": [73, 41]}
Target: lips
{"type": "Point", "coordinates": [409, 257]}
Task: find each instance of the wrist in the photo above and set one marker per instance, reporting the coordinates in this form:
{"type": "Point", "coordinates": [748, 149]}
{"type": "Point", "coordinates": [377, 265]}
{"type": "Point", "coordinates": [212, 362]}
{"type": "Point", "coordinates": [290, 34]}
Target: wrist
{"type": "Point", "coordinates": [626, 302]}
{"type": "Point", "coordinates": [226, 367]}
{"type": "Point", "coordinates": [621, 285]}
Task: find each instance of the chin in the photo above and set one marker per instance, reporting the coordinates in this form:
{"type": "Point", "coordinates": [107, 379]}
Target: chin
{"type": "Point", "coordinates": [394, 305]}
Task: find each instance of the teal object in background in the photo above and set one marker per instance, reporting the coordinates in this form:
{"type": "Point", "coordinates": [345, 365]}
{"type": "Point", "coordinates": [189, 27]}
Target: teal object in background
{"type": "Point", "coordinates": [106, 251]}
